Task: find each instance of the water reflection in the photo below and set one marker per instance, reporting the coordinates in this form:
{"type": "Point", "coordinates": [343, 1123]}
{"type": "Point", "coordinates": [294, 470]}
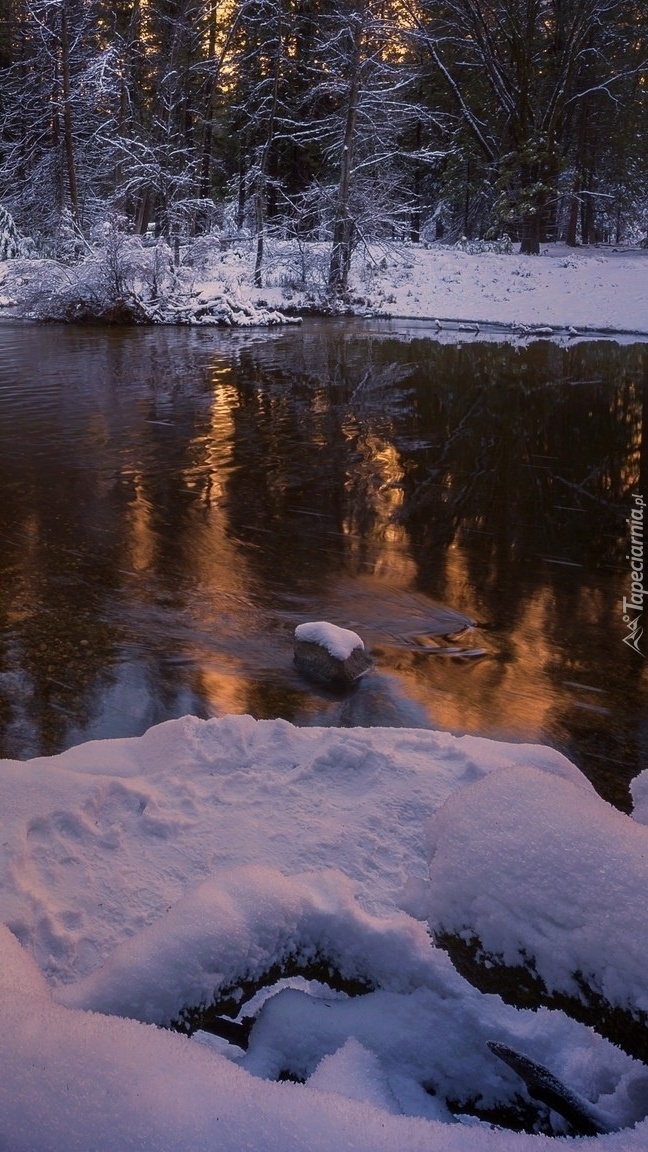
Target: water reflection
{"type": "Point", "coordinates": [173, 502]}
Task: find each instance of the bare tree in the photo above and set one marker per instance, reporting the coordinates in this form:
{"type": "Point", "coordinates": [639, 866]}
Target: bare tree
{"type": "Point", "coordinates": [45, 99]}
{"type": "Point", "coordinates": [376, 109]}
{"type": "Point", "coordinates": [343, 224]}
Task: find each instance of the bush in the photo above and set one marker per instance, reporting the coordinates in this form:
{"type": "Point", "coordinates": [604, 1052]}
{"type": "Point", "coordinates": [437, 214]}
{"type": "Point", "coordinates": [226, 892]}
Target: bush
{"type": "Point", "coordinates": [12, 245]}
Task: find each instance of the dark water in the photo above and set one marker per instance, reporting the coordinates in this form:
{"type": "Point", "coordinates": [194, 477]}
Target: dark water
{"type": "Point", "coordinates": [174, 502]}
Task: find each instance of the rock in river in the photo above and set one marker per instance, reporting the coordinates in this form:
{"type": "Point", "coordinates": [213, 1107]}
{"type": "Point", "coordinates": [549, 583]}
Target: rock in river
{"type": "Point", "coordinates": [329, 654]}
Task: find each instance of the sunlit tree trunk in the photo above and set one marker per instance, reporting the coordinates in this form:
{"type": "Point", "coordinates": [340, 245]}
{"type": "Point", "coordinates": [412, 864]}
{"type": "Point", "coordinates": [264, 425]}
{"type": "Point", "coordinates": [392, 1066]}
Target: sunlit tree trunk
{"type": "Point", "coordinates": [217, 52]}
{"type": "Point", "coordinates": [208, 131]}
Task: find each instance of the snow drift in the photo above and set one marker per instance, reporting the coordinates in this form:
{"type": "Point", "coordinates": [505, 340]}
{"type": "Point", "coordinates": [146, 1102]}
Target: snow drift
{"type": "Point", "coordinates": [145, 877]}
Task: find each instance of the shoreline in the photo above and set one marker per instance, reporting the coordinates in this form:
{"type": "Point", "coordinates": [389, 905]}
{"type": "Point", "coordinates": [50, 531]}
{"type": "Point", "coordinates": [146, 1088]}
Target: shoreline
{"type": "Point", "coordinates": [562, 294]}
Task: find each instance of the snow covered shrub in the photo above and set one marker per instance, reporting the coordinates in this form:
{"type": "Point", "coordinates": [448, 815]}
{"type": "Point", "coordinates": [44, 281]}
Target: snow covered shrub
{"type": "Point", "coordinates": [66, 240]}
{"type": "Point", "coordinates": [123, 282]}
{"type": "Point", "coordinates": [12, 244]}
{"type": "Point", "coordinates": [238, 216]}
{"type": "Point", "coordinates": [306, 266]}
{"type": "Point", "coordinates": [501, 247]}
{"type": "Point", "coordinates": [120, 265]}
{"type": "Point", "coordinates": [107, 284]}
{"type": "Point", "coordinates": [191, 216]}
{"type": "Point", "coordinates": [203, 252]}
{"type": "Point", "coordinates": [163, 278]}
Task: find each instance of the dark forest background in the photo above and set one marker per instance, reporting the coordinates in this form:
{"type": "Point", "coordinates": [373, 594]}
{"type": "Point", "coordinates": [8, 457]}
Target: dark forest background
{"type": "Point", "coordinates": [336, 120]}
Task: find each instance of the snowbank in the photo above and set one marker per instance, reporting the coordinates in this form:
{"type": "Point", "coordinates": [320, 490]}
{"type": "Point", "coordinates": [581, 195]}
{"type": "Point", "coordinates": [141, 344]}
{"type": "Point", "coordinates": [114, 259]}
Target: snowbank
{"type": "Point", "coordinates": [564, 291]}
{"type": "Point", "coordinates": [130, 824]}
{"type": "Point", "coordinates": [145, 876]}
{"type": "Point", "coordinates": [559, 883]}
{"type": "Point", "coordinates": [568, 290]}
{"type": "Point", "coordinates": [600, 289]}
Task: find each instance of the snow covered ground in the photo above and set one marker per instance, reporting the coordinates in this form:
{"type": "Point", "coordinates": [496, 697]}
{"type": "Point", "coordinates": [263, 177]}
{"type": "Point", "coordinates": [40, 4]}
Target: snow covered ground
{"type": "Point", "coordinates": [596, 289]}
{"type": "Point", "coordinates": [141, 876]}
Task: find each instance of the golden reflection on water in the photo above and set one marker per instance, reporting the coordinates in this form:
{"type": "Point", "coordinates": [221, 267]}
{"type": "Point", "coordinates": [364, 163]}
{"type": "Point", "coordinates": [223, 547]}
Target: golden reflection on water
{"type": "Point", "coordinates": [141, 542]}
{"type": "Point", "coordinates": [510, 683]}
{"type": "Point", "coordinates": [166, 538]}
{"type": "Point", "coordinates": [224, 691]}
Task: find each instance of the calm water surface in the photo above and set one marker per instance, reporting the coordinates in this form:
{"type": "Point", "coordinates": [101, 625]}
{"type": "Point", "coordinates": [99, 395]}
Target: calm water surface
{"type": "Point", "coordinates": [174, 502]}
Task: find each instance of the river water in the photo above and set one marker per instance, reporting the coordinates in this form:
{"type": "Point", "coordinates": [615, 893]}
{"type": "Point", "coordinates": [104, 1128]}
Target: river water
{"type": "Point", "coordinates": [173, 502]}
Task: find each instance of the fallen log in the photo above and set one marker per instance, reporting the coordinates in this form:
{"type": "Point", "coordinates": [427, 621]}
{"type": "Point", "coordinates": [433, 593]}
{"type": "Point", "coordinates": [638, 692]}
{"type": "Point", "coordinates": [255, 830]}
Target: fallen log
{"type": "Point", "coordinates": [542, 1085]}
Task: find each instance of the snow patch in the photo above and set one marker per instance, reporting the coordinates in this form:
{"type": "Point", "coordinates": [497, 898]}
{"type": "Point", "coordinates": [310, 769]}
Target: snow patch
{"type": "Point", "coordinates": [339, 642]}
{"type": "Point", "coordinates": [553, 874]}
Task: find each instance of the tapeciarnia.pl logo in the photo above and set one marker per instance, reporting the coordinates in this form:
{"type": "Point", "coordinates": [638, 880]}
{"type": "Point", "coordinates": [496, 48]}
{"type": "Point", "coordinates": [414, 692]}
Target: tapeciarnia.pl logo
{"type": "Point", "coordinates": [633, 606]}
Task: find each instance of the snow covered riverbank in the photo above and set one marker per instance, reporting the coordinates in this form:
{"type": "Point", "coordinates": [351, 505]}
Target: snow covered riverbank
{"type": "Point", "coordinates": [600, 290]}
{"type": "Point", "coordinates": [144, 876]}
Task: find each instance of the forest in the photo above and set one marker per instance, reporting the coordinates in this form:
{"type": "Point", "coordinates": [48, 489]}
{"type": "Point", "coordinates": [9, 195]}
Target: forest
{"type": "Point", "coordinates": [337, 121]}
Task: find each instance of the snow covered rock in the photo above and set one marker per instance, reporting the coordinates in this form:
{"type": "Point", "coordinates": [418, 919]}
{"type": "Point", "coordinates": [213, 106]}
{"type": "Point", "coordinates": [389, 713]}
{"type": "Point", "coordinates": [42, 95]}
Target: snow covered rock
{"type": "Point", "coordinates": [330, 654]}
{"type": "Point", "coordinates": [530, 888]}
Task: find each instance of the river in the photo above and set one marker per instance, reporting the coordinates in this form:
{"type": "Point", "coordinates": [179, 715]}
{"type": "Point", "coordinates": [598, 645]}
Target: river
{"type": "Point", "coordinates": [173, 502]}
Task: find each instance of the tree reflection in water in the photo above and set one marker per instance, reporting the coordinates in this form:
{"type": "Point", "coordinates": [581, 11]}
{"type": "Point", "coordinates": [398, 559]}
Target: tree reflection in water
{"type": "Point", "coordinates": [173, 503]}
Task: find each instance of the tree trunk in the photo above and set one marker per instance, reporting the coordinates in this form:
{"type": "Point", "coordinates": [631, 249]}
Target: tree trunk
{"type": "Point", "coordinates": [143, 213]}
{"type": "Point", "coordinates": [59, 190]}
{"type": "Point", "coordinates": [344, 227]}
{"type": "Point", "coordinates": [618, 231]}
{"type": "Point", "coordinates": [241, 199]}
{"type": "Point", "coordinates": [587, 214]}
{"type": "Point", "coordinates": [571, 236]}
{"type": "Point", "coordinates": [465, 230]}
{"type": "Point", "coordinates": [259, 222]}
{"type": "Point", "coordinates": [204, 182]}
{"type": "Point", "coordinates": [530, 235]}
{"type": "Point", "coordinates": [67, 117]}
{"type": "Point", "coordinates": [531, 225]}
{"type": "Point", "coordinates": [415, 219]}
{"type": "Point", "coordinates": [215, 64]}
{"type": "Point", "coordinates": [260, 194]}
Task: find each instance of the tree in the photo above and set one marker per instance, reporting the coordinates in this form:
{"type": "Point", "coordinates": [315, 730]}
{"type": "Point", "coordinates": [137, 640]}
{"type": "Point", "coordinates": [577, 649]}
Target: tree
{"type": "Point", "coordinates": [605, 156]}
{"type": "Point", "coordinates": [350, 120]}
{"type": "Point", "coordinates": [52, 165]}
{"type": "Point", "coordinates": [343, 222]}
{"type": "Point", "coordinates": [517, 71]}
{"type": "Point", "coordinates": [376, 117]}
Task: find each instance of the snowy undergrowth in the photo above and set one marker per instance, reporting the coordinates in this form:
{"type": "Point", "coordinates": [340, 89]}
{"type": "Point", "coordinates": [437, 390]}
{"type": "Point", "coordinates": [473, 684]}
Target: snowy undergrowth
{"type": "Point", "coordinates": [562, 293]}
{"type": "Point", "coordinates": [147, 877]}
{"type": "Point", "coordinates": [122, 281]}
{"type": "Point", "coordinates": [426, 1028]}
{"type": "Point", "coordinates": [12, 245]}
{"type": "Point", "coordinates": [575, 951]}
